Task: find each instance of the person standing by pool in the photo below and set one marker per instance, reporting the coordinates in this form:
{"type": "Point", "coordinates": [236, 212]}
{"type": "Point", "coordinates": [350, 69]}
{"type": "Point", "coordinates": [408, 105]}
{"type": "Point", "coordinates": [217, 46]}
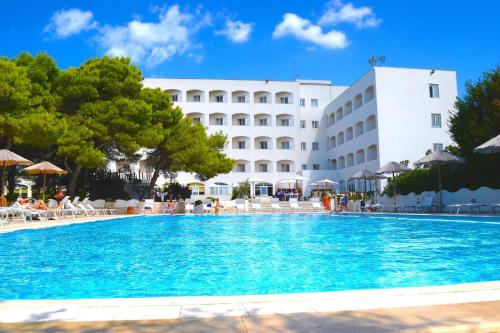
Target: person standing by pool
{"type": "Point", "coordinates": [326, 201]}
{"type": "Point", "coordinates": [217, 206]}
{"type": "Point", "coordinates": [345, 201]}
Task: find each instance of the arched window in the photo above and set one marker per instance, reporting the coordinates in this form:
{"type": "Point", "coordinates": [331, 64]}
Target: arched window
{"type": "Point", "coordinates": [371, 123]}
{"type": "Point", "coordinates": [360, 156]}
{"type": "Point", "coordinates": [371, 153]}
{"type": "Point", "coordinates": [331, 119]}
{"type": "Point", "coordinates": [340, 138]}
{"type": "Point", "coordinates": [349, 134]}
{"type": "Point", "coordinates": [333, 142]}
{"type": "Point", "coordinates": [241, 142]}
{"type": "Point", "coordinates": [175, 94]}
{"type": "Point", "coordinates": [358, 101]}
{"type": "Point", "coordinates": [369, 93]}
{"type": "Point", "coordinates": [348, 108]}
{"type": "Point", "coordinates": [197, 188]}
{"type": "Point", "coordinates": [263, 142]}
{"type": "Point", "coordinates": [333, 164]}
{"type": "Point", "coordinates": [285, 120]}
{"type": "Point", "coordinates": [241, 166]}
{"type": "Point", "coordinates": [197, 117]}
{"type": "Point", "coordinates": [359, 129]}
{"type": "Point", "coordinates": [241, 119]}
{"type": "Point", "coordinates": [219, 189]}
{"type": "Point", "coordinates": [339, 114]}
{"type": "Point", "coordinates": [217, 119]}
{"type": "Point", "coordinates": [262, 119]}
{"type": "Point", "coordinates": [262, 97]}
{"type": "Point", "coordinates": [240, 96]}
{"type": "Point", "coordinates": [263, 189]}
{"type": "Point", "coordinates": [195, 96]}
{"type": "Point", "coordinates": [284, 97]}
{"type": "Point", "coordinates": [341, 162]}
{"type": "Point", "coordinates": [263, 166]}
{"type": "Point", "coordinates": [350, 159]}
{"type": "Point", "coordinates": [217, 96]}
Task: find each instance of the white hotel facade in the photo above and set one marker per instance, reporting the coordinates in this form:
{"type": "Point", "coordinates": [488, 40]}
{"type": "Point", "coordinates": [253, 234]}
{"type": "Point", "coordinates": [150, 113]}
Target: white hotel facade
{"type": "Point", "coordinates": [277, 129]}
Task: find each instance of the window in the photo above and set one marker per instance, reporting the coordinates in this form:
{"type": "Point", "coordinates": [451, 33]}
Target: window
{"type": "Point", "coordinates": [285, 167]}
{"type": "Point", "coordinates": [304, 166]}
{"type": "Point", "coordinates": [263, 99]}
{"type": "Point", "coordinates": [437, 146]}
{"type": "Point", "coordinates": [436, 119]}
{"type": "Point", "coordinates": [219, 121]}
{"type": "Point", "coordinates": [241, 99]}
{"type": "Point", "coordinates": [196, 120]}
{"type": "Point", "coordinates": [241, 122]}
{"type": "Point", "coordinates": [240, 167]}
{"type": "Point", "coordinates": [197, 98]}
{"type": "Point", "coordinates": [241, 144]}
{"type": "Point", "coordinates": [302, 124]}
{"type": "Point", "coordinates": [175, 98]}
{"type": "Point", "coordinates": [315, 166]}
{"type": "Point", "coordinates": [314, 124]}
{"type": "Point", "coordinates": [263, 122]}
{"type": "Point", "coordinates": [315, 146]}
{"type": "Point", "coordinates": [302, 102]}
{"type": "Point", "coordinates": [284, 100]}
{"type": "Point", "coordinates": [285, 122]}
{"type": "Point", "coordinates": [219, 99]}
{"type": "Point", "coordinates": [262, 167]}
{"type": "Point", "coordinates": [285, 144]}
{"type": "Point", "coordinates": [303, 146]}
{"type": "Point", "coordinates": [314, 103]}
{"type": "Point", "coordinates": [263, 145]}
{"type": "Point", "coordinates": [434, 90]}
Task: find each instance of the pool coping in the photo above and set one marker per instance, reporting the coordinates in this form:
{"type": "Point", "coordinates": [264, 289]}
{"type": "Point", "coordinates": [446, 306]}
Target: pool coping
{"type": "Point", "coordinates": [194, 307]}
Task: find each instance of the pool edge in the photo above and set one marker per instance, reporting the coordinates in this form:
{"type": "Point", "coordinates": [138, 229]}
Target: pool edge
{"type": "Point", "coordinates": [192, 307]}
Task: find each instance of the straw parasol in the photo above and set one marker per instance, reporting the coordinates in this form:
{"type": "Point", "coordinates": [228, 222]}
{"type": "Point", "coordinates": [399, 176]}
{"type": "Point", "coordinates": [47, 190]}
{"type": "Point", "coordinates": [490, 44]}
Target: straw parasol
{"type": "Point", "coordinates": [7, 159]}
{"type": "Point", "coordinates": [393, 168]}
{"type": "Point", "coordinates": [366, 175]}
{"type": "Point", "coordinates": [490, 146]}
{"type": "Point", "coordinates": [439, 157]}
{"type": "Point", "coordinates": [44, 168]}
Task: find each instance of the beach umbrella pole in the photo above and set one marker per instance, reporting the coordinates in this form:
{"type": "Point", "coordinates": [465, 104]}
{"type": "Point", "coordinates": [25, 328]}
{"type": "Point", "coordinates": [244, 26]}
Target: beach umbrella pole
{"type": "Point", "coordinates": [440, 190]}
{"type": "Point", "coordinates": [394, 190]}
{"type": "Point", "coordinates": [43, 188]}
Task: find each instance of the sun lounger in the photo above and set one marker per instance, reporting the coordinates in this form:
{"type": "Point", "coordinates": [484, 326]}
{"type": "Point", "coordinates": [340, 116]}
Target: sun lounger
{"type": "Point", "coordinates": [207, 206]}
{"type": "Point", "coordinates": [148, 206]}
{"type": "Point", "coordinates": [275, 204]}
{"type": "Point", "coordinates": [189, 204]}
{"type": "Point", "coordinates": [240, 205]}
{"type": "Point", "coordinates": [294, 204]}
{"type": "Point", "coordinates": [256, 205]}
{"type": "Point", "coordinates": [316, 204]}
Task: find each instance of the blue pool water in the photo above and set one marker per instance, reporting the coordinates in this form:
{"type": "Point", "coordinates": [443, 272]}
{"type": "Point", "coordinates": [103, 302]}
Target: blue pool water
{"type": "Point", "coordinates": [246, 254]}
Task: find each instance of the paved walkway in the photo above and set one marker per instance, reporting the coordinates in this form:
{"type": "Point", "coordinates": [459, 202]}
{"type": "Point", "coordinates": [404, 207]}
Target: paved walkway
{"type": "Point", "coordinates": [469, 317]}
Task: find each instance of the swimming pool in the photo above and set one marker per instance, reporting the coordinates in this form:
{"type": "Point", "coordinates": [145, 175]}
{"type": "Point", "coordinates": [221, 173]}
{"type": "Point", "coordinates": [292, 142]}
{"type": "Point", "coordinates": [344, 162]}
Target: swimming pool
{"type": "Point", "coordinates": [246, 254]}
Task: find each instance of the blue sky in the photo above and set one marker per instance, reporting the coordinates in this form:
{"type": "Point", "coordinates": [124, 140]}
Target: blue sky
{"type": "Point", "coordinates": [327, 39]}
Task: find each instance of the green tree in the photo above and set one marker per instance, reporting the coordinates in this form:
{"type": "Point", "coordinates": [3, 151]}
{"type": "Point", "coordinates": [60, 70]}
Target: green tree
{"type": "Point", "coordinates": [184, 146]}
{"type": "Point", "coordinates": [107, 117]}
{"type": "Point", "coordinates": [28, 117]}
{"type": "Point", "coordinates": [477, 115]}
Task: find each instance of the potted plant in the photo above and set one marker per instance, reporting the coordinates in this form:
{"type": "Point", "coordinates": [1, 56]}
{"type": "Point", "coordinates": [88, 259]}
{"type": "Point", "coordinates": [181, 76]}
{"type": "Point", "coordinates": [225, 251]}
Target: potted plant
{"type": "Point", "coordinates": [198, 207]}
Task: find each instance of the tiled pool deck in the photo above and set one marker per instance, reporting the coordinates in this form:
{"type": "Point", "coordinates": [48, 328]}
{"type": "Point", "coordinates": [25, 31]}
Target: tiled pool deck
{"type": "Point", "coordinates": [473, 307]}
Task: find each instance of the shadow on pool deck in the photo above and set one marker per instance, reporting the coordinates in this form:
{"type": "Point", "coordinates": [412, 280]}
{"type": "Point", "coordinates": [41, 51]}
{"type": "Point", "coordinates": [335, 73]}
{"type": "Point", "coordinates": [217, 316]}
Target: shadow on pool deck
{"type": "Point", "coordinates": [470, 317]}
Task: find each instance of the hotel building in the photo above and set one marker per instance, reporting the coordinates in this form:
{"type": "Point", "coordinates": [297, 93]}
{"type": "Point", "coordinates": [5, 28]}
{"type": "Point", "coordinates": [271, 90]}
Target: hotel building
{"type": "Point", "coordinates": [278, 129]}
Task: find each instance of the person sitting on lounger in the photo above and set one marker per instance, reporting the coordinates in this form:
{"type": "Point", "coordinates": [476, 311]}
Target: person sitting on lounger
{"type": "Point", "coordinates": [31, 203]}
{"type": "Point", "coordinates": [59, 196]}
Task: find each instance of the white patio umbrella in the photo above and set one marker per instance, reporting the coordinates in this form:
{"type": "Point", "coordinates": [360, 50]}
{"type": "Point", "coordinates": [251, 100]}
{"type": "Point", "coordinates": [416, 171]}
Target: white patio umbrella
{"type": "Point", "coordinates": [489, 147]}
{"type": "Point", "coordinates": [439, 157]}
{"type": "Point", "coordinates": [393, 168]}
{"type": "Point", "coordinates": [326, 182]}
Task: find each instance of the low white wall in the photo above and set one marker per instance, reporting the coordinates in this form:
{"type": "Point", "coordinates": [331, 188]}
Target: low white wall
{"type": "Point", "coordinates": [482, 195]}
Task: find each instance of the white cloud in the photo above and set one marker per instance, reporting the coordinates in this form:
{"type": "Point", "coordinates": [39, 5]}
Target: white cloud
{"type": "Point", "coordinates": [153, 43]}
{"type": "Point", "coordinates": [338, 12]}
{"type": "Point", "coordinates": [70, 22]}
{"type": "Point", "coordinates": [236, 31]}
{"type": "Point", "coordinates": [294, 25]}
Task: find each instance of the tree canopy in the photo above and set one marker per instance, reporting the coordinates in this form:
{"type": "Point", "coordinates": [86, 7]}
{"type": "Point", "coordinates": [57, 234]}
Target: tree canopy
{"type": "Point", "coordinates": [98, 112]}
